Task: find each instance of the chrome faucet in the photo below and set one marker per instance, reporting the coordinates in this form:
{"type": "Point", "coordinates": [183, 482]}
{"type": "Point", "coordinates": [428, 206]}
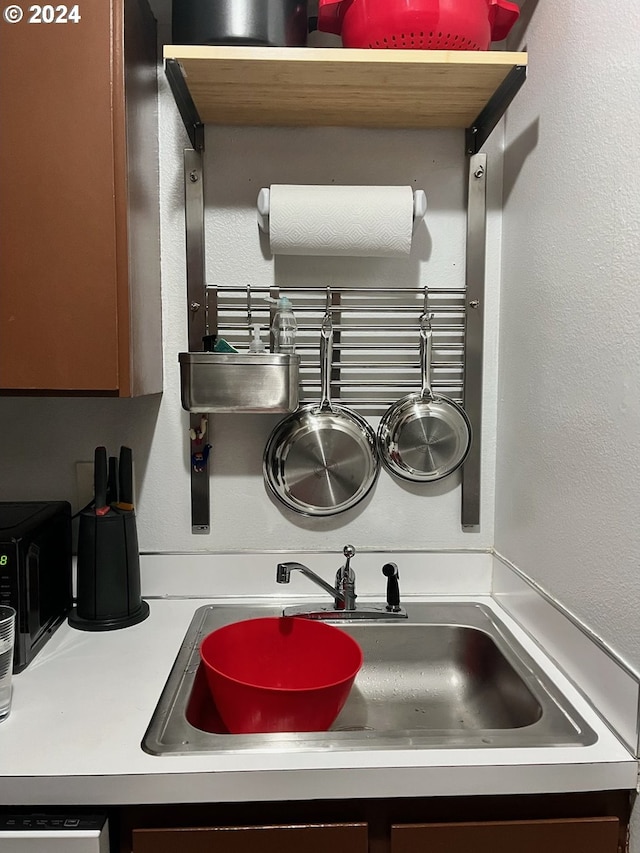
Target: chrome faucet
{"type": "Point", "coordinates": [343, 593]}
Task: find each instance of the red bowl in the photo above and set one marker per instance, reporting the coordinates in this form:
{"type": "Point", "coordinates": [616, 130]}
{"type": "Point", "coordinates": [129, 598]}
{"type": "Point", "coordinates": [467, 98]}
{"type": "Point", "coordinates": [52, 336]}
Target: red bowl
{"type": "Point", "coordinates": [279, 674]}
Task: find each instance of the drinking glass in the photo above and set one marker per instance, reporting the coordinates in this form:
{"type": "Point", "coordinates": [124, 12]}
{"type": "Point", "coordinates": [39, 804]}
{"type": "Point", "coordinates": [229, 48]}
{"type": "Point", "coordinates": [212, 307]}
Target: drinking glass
{"type": "Point", "coordinates": [7, 635]}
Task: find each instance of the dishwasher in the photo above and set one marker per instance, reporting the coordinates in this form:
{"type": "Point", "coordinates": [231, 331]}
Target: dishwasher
{"type": "Point", "coordinates": [63, 832]}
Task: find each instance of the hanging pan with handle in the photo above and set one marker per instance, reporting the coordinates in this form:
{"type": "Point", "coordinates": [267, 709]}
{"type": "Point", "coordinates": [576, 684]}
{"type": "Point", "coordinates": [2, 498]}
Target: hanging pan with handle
{"type": "Point", "coordinates": [322, 459]}
{"type": "Point", "coordinates": [423, 436]}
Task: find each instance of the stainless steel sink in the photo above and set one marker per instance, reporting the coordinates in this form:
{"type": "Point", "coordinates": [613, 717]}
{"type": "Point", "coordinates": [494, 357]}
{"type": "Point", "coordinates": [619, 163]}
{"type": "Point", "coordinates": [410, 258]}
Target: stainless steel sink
{"type": "Point", "coordinates": [451, 675]}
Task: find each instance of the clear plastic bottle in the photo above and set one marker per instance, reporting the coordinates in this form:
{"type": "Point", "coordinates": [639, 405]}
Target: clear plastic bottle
{"type": "Point", "coordinates": [256, 347]}
{"type": "Point", "coordinates": [285, 327]}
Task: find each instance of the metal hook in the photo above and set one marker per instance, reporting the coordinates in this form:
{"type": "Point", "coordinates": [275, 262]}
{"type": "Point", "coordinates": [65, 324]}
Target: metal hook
{"type": "Point", "coordinates": [425, 321]}
{"type": "Point", "coordinates": [326, 328]}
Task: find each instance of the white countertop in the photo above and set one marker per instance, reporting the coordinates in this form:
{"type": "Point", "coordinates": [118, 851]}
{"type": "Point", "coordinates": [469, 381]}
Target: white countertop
{"type": "Point", "coordinates": [80, 711]}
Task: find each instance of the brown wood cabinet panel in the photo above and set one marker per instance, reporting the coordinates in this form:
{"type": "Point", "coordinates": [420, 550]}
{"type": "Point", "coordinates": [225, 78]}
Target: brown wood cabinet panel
{"type": "Point", "coordinates": [316, 838]}
{"type": "Point", "coordinates": [73, 195]}
{"type": "Point", "coordinates": [578, 835]}
{"type": "Point", "coordinates": [584, 822]}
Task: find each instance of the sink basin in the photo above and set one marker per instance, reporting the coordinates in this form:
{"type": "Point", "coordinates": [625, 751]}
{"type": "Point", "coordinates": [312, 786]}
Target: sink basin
{"type": "Point", "coordinates": [451, 675]}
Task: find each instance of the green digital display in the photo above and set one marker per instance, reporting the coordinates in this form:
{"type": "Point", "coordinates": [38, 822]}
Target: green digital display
{"type": "Point", "coordinates": [4, 560]}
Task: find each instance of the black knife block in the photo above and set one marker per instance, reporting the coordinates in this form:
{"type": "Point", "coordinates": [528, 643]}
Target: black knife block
{"type": "Point", "coordinates": [108, 573]}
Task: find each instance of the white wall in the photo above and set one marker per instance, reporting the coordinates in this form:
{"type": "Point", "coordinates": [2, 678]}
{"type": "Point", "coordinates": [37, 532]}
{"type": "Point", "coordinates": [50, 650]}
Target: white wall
{"type": "Point", "coordinates": [568, 470]}
{"type": "Point", "coordinates": [568, 484]}
{"type": "Point", "coordinates": [40, 440]}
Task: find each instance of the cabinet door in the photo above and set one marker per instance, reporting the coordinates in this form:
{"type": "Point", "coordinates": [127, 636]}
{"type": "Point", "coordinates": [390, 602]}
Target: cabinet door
{"type": "Point", "coordinates": [68, 310]}
{"type": "Point", "coordinates": [314, 838]}
{"type": "Point", "coordinates": [58, 310]}
{"type": "Point", "coordinates": [595, 835]}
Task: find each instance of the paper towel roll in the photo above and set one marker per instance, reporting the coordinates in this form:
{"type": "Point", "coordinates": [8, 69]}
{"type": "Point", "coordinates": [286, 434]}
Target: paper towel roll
{"type": "Point", "coordinates": [337, 220]}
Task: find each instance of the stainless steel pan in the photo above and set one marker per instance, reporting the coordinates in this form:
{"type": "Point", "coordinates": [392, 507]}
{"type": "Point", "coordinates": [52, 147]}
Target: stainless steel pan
{"type": "Point", "coordinates": [424, 437]}
{"type": "Point", "coordinates": [322, 459]}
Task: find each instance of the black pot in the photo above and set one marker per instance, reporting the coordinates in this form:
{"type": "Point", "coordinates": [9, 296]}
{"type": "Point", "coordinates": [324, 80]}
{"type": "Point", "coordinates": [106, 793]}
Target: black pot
{"type": "Point", "coordinates": [265, 23]}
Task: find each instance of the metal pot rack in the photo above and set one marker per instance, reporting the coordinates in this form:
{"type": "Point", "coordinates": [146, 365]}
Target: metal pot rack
{"type": "Point", "coordinates": [376, 337]}
{"type": "Point", "coordinates": [376, 329]}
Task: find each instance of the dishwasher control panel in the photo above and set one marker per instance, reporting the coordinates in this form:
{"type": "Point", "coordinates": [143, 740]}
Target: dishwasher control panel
{"type": "Point", "coordinates": [54, 833]}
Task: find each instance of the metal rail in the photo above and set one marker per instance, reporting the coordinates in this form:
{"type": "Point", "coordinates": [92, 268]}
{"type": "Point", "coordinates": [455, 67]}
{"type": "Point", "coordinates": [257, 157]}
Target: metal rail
{"type": "Point", "coordinates": [376, 337]}
{"type": "Point", "coordinates": [474, 332]}
{"type": "Point", "coordinates": [197, 328]}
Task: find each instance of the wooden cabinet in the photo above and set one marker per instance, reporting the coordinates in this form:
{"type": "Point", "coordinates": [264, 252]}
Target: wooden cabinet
{"type": "Point", "coordinates": [318, 838]}
{"type": "Point", "coordinates": [574, 835]}
{"type": "Point", "coordinates": [79, 241]}
{"type": "Point", "coordinates": [597, 835]}
{"type": "Point", "coordinates": [589, 822]}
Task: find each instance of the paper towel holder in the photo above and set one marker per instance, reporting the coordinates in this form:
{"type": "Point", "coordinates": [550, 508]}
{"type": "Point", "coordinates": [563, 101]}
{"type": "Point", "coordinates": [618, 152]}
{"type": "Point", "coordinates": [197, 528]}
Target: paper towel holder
{"type": "Point", "coordinates": [264, 205]}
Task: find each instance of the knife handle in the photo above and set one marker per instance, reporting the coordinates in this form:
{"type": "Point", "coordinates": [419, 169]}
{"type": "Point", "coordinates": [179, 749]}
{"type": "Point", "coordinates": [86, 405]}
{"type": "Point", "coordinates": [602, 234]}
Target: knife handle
{"type": "Point", "coordinates": [125, 465]}
{"type": "Point", "coordinates": [100, 480]}
{"type": "Point", "coordinates": [112, 481]}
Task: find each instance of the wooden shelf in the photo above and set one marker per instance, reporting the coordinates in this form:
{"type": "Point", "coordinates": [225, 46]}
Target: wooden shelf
{"type": "Point", "coordinates": [338, 87]}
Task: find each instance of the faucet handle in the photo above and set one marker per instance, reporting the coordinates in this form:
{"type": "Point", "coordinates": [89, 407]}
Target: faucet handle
{"type": "Point", "coordinates": [346, 571]}
{"type": "Point", "coordinates": [390, 571]}
{"type": "Point", "coordinates": [346, 581]}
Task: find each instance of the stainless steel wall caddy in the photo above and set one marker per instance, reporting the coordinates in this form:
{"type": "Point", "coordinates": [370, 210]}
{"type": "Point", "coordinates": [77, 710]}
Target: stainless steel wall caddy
{"type": "Point", "coordinates": [215, 93]}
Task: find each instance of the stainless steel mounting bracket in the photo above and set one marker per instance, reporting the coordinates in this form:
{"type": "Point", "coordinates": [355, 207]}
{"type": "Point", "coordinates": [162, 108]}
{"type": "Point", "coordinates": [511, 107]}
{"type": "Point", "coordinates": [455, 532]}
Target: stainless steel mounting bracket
{"type": "Point", "coordinates": [474, 332]}
{"type": "Point", "coordinates": [199, 429]}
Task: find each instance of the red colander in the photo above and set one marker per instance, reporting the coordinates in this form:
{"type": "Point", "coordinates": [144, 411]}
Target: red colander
{"type": "Point", "coordinates": [418, 24]}
{"type": "Point", "coordinates": [279, 674]}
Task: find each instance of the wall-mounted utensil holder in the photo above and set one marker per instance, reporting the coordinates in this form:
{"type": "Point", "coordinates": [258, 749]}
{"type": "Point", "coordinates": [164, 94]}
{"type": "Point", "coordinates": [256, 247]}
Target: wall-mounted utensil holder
{"type": "Point", "coordinates": [238, 382]}
{"type": "Point", "coordinates": [376, 337]}
{"type": "Point", "coordinates": [386, 361]}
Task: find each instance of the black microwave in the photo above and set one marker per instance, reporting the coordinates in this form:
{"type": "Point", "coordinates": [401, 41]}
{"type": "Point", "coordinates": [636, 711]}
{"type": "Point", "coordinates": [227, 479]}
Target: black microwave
{"type": "Point", "coordinates": [35, 571]}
